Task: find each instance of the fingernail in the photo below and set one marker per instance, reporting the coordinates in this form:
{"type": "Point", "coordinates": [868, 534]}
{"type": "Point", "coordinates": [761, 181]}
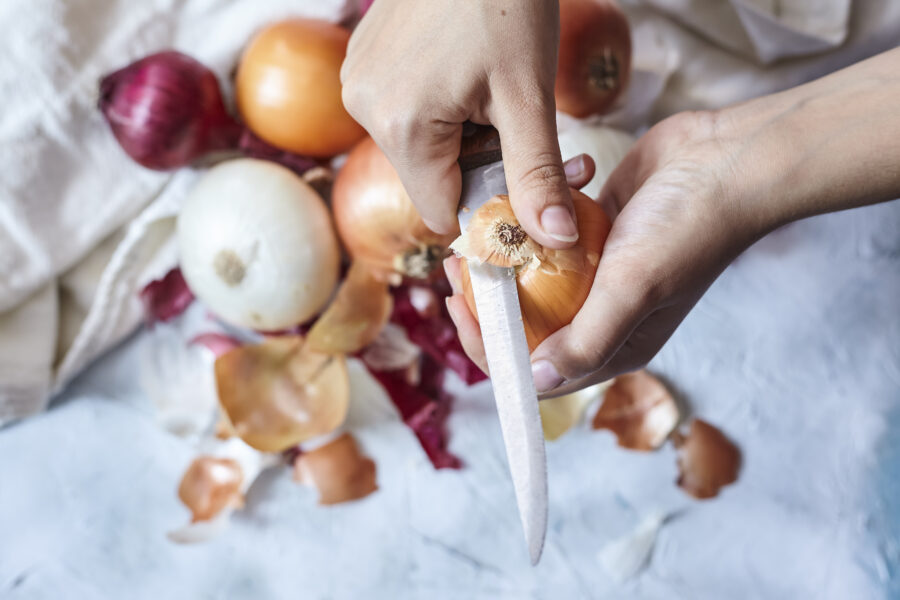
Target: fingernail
{"type": "Point", "coordinates": [574, 166]}
{"type": "Point", "coordinates": [546, 377]}
{"type": "Point", "coordinates": [558, 223]}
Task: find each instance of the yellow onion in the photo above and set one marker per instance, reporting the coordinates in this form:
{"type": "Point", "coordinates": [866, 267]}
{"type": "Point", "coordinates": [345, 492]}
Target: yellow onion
{"type": "Point", "coordinates": [357, 315]}
{"type": "Point", "coordinates": [552, 284]}
{"type": "Point", "coordinates": [279, 393]}
{"type": "Point", "coordinates": [376, 219]}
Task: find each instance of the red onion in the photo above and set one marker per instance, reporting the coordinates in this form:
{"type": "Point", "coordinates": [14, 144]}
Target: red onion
{"type": "Point", "coordinates": [252, 146]}
{"type": "Point", "coordinates": [166, 110]}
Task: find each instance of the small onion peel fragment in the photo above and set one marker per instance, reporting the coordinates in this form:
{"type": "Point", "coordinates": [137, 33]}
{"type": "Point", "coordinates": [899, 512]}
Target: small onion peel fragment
{"type": "Point", "coordinates": [338, 470]}
{"type": "Point", "coordinates": [639, 410]}
{"type": "Point", "coordinates": [707, 460]}
{"type": "Point", "coordinates": [210, 485]}
{"type": "Point", "coordinates": [166, 298]}
{"type": "Point", "coordinates": [357, 314]}
{"type": "Point", "coordinates": [560, 414]}
{"type": "Point", "coordinates": [279, 393]}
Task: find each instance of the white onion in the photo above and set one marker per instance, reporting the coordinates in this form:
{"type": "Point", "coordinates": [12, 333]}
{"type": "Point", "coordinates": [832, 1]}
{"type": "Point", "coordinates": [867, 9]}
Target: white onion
{"type": "Point", "coordinates": [605, 145]}
{"type": "Point", "coordinates": [257, 245]}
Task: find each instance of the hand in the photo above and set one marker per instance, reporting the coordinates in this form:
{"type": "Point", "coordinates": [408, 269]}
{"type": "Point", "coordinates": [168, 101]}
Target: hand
{"type": "Point", "coordinates": [677, 223]}
{"type": "Point", "coordinates": [415, 71]}
{"type": "Point", "coordinates": [699, 188]}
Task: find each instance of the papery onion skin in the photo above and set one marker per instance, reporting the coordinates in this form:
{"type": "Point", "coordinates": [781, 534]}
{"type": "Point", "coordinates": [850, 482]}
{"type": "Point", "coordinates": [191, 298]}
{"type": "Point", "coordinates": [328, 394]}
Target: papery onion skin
{"type": "Point", "coordinates": [278, 394]}
{"type": "Point", "coordinates": [594, 61]}
{"type": "Point", "coordinates": [338, 470]}
{"type": "Point", "coordinates": [358, 313]}
{"type": "Point", "coordinates": [289, 88]}
{"type": "Point", "coordinates": [210, 485]}
{"type": "Point", "coordinates": [376, 219]}
{"type": "Point", "coordinates": [166, 111]}
{"type": "Point", "coordinates": [257, 245]}
{"type": "Point", "coordinates": [550, 300]}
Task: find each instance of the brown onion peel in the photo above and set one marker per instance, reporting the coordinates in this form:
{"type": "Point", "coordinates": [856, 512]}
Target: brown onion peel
{"type": "Point", "coordinates": [552, 284]}
{"type": "Point", "coordinates": [338, 470]}
{"type": "Point", "coordinates": [210, 485]}
{"type": "Point", "coordinates": [707, 460]}
{"type": "Point", "coordinates": [357, 314]}
{"type": "Point", "coordinates": [279, 393]}
{"type": "Point", "coordinates": [377, 220]}
{"type": "Point", "coordinates": [639, 410]}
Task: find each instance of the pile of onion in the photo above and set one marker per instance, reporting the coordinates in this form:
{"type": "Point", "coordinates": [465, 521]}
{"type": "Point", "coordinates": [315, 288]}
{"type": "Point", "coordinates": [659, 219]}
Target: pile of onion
{"type": "Point", "coordinates": [594, 61]}
{"type": "Point", "coordinates": [289, 88]}
{"type": "Point", "coordinates": [257, 245]}
{"type": "Point", "coordinates": [552, 284]}
{"type": "Point", "coordinates": [376, 219]}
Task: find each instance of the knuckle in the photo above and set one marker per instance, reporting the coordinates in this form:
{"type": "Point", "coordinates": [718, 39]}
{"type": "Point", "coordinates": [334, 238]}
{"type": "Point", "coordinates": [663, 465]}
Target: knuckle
{"type": "Point", "coordinates": [546, 174]}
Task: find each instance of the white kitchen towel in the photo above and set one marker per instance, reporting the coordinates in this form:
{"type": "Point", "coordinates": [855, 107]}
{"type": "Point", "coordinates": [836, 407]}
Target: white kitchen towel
{"type": "Point", "coordinates": [82, 228]}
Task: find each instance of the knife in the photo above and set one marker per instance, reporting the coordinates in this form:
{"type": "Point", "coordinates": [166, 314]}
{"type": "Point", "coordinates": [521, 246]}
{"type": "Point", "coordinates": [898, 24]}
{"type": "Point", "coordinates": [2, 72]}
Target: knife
{"type": "Point", "coordinates": [508, 358]}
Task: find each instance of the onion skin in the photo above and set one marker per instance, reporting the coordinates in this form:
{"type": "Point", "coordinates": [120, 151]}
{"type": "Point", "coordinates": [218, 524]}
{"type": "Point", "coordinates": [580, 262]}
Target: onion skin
{"type": "Point", "coordinates": [594, 62]}
{"type": "Point", "coordinates": [550, 300]}
{"type": "Point", "coordinates": [376, 219]}
{"type": "Point", "coordinates": [166, 111]}
{"type": "Point", "coordinates": [289, 88]}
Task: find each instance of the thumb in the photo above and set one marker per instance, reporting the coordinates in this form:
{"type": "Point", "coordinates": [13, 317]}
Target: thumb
{"type": "Point", "coordinates": [538, 191]}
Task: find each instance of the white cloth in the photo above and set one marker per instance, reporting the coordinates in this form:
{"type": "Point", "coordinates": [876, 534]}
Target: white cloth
{"type": "Point", "coordinates": [82, 228]}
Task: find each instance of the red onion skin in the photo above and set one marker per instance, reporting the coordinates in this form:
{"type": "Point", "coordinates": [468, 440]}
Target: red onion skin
{"type": "Point", "coordinates": [166, 111]}
{"type": "Point", "coordinates": [252, 146]}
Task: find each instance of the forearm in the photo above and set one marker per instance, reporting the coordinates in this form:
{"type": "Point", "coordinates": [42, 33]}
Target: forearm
{"type": "Point", "coordinates": [827, 145]}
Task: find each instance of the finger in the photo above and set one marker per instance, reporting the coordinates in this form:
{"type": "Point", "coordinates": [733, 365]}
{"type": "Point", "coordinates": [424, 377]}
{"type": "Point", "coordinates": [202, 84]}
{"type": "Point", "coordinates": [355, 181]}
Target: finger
{"type": "Point", "coordinates": [453, 271]}
{"type": "Point", "coordinates": [468, 329]}
{"type": "Point", "coordinates": [579, 170]}
{"type": "Point", "coordinates": [538, 190]}
{"type": "Point", "coordinates": [612, 311]}
{"type": "Point", "coordinates": [425, 156]}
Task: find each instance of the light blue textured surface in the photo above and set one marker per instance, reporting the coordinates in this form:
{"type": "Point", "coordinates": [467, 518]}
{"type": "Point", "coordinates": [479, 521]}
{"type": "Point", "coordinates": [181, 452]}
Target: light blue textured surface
{"type": "Point", "coordinates": [794, 353]}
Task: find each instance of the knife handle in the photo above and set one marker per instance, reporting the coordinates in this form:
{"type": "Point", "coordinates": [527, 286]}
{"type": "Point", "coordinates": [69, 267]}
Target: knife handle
{"type": "Point", "coordinates": [480, 146]}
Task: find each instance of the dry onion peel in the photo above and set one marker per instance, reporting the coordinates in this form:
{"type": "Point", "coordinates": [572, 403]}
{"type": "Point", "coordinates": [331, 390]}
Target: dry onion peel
{"type": "Point", "coordinates": [639, 410]}
{"type": "Point", "coordinates": [279, 393]}
{"type": "Point", "coordinates": [166, 298]}
{"type": "Point", "coordinates": [338, 470]}
{"type": "Point", "coordinates": [552, 285]}
{"type": "Point", "coordinates": [378, 222]}
{"type": "Point", "coordinates": [707, 460]}
{"type": "Point", "coordinates": [391, 350]}
{"type": "Point", "coordinates": [358, 313]}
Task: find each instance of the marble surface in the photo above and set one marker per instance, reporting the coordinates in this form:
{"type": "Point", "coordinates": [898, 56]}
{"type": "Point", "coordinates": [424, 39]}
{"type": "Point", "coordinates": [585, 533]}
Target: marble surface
{"type": "Point", "coordinates": [794, 352]}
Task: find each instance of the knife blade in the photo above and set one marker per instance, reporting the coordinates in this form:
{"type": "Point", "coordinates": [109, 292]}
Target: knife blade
{"type": "Point", "coordinates": [508, 358]}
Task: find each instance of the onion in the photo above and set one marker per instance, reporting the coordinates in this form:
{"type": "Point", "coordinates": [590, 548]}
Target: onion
{"type": "Point", "coordinates": [560, 414]}
{"type": "Point", "coordinates": [289, 88]}
{"type": "Point", "coordinates": [377, 220]}
{"type": "Point", "coordinates": [552, 284]}
{"type": "Point", "coordinates": [166, 111]}
{"type": "Point", "coordinates": [279, 393]}
{"type": "Point", "coordinates": [210, 485]}
{"type": "Point", "coordinates": [257, 245]}
{"type": "Point", "coordinates": [594, 56]}
{"type": "Point", "coordinates": [605, 145]}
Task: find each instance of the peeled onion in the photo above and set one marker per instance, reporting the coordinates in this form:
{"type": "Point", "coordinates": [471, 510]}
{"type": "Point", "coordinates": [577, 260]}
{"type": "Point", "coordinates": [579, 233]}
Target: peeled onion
{"type": "Point", "coordinates": [377, 220]}
{"type": "Point", "coordinates": [605, 145]}
{"type": "Point", "coordinates": [552, 284]}
{"type": "Point", "coordinates": [594, 61]}
{"type": "Point", "coordinates": [289, 88]}
{"type": "Point", "coordinates": [257, 245]}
